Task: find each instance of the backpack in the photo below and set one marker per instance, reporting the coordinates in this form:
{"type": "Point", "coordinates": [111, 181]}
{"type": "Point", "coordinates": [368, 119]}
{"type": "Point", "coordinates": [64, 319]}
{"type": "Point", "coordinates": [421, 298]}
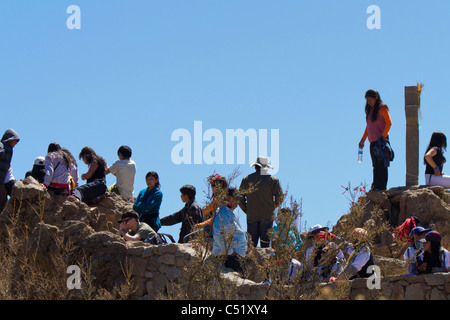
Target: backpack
{"type": "Point", "coordinates": [159, 238]}
{"type": "Point", "coordinates": [401, 233]}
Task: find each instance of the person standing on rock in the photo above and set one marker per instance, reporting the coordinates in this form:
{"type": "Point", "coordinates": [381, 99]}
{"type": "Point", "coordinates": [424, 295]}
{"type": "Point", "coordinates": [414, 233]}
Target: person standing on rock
{"type": "Point", "coordinates": [261, 195]}
{"type": "Point", "coordinates": [9, 140]}
{"type": "Point", "coordinates": [434, 161]}
{"type": "Point", "coordinates": [378, 124]}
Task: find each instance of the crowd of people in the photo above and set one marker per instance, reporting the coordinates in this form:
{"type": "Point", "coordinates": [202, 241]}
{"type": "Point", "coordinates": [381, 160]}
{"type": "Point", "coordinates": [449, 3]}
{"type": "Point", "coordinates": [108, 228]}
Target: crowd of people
{"type": "Point", "coordinates": [259, 195]}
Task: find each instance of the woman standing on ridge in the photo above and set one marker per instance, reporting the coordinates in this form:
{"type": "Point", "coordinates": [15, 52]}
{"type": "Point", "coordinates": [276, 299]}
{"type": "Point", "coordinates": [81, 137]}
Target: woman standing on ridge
{"type": "Point", "coordinates": [377, 130]}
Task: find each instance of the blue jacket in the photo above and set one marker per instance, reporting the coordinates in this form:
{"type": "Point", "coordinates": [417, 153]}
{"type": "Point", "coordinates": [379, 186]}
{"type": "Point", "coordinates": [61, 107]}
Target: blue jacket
{"type": "Point", "coordinates": [228, 234]}
{"type": "Point", "coordinates": [383, 151]}
{"type": "Point", "coordinates": [148, 202]}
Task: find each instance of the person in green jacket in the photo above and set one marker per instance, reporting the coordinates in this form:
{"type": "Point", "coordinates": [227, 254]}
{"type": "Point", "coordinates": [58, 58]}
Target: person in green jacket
{"type": "Point", "coordinates": [261, 195]}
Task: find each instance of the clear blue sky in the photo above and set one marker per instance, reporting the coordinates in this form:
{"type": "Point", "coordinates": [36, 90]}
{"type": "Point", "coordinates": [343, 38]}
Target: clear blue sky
{"type": "Point", "coordinates": [137, 71]}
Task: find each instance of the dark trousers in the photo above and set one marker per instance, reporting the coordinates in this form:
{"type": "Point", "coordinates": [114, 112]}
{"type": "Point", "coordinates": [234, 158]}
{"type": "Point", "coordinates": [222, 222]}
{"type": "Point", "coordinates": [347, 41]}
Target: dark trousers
{"type": "Point", "coordinates": [91, 190]}
{"type": "Point", "coordinates": [237, 263]}
{"type": "Point", "coordinates": [151, 221]}
{"type": "Point", "coordinates": [3, 196]}
{"type": "Point", "coordinates": [380, 172]}
{"type": "Point", "coordinates": [258, 230]}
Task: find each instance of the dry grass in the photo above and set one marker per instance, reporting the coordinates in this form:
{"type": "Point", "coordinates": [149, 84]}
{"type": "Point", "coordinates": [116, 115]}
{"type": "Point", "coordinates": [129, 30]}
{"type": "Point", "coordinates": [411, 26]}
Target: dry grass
{"type": "Point", "coordinates": [29, 274]}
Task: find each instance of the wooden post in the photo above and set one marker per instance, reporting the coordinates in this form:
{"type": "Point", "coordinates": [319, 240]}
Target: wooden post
{"type": "Point", "coordinates": [412, 135]}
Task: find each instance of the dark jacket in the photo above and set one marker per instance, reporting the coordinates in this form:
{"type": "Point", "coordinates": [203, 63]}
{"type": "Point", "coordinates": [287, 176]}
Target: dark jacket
{"type": "Point", "coordinates": [190, 215]}
{"type": "Point", "coordinates": [262, 194]}
{"type": "Point", "coordinates": [383, 151]}
{"type": "Point", "coordinates": [38, 172]}
{"type": "Point", "coordinates": [6, 152]}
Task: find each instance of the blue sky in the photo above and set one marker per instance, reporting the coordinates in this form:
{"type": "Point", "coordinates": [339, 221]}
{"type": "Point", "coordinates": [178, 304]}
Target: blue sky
{"type": "Point", "coordinates": [137, 71]}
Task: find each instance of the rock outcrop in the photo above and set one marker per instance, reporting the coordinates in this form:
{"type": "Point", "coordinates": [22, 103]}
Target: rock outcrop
{"type": "Point", "coordinates": [430, 204]}
{"type": "Point", "coordinates": [85, 234]}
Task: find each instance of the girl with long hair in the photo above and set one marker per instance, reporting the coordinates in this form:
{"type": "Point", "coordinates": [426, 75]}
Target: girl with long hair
{"type": "Point", "coordinates": [434, 258]}
{"type": "Point", "coordinates": [378, 124]}
{"type": "Point", "coordinates": [57, 170]}
{"type": "Point", "coordinates": [434, 161]}
{"type": "Point", "coordinates": [95, 186]}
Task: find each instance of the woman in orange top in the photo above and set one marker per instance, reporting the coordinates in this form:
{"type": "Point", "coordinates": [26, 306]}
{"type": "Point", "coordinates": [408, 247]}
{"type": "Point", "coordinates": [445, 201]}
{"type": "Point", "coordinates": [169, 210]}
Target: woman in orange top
{"type": "Point", "coordinates": [219, 187]}
{"type": "Point", "coordinates": [378, 125]}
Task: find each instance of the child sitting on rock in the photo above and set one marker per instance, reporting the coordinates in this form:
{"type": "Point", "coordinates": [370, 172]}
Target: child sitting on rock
{"type": "Point", "coordinates": [125, 170]}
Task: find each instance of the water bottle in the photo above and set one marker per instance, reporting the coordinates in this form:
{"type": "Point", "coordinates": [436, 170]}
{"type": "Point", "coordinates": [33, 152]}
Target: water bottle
{"type": "Point", "coordinates": [360, 154]}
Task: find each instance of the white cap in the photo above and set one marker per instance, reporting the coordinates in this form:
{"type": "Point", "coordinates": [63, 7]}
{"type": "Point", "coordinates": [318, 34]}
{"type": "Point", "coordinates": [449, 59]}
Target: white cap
{"type": "Point", "coordinates": [39, 161]}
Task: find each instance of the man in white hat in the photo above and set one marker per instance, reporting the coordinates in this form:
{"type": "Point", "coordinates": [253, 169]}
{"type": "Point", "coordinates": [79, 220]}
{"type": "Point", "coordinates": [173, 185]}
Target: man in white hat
{"type": "Point", "coordinates": [261, 195]}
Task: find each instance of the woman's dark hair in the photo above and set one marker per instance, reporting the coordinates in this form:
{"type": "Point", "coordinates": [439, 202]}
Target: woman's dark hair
{"type": "Point", "coordinates": [219, 182]}
{"type": "Point", "coordinates": [55, 147]}
{"type": "Point", "coordinates": [373, 94]}
{"type": "Point", "coordinates": [154, 175]}
{"type": "Point", "coordinates": [432, 258]}
{"type": "Point", "coordinates": [125, 151]}
{"type": "Point", "coordinates": [69, 154]}
{"type": "Point", "coordinates": [188, 190]}
{"type": "Point", "coordinates": [90, 155]}
{"type": "Point", "coordinates": [438, 140]}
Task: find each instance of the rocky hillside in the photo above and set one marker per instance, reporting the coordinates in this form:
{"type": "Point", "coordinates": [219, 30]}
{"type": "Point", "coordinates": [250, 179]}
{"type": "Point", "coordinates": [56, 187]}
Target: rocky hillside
{"type": "Point", "coordinates": [430, 204]}
{"type": "Point", "coordinates": [58, 233]}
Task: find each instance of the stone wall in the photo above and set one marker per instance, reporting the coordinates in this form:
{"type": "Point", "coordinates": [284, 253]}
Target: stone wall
{"type": "Point", "coordinates": [161, 271]}
{"type": "Point", "coordinates": [407, 287]}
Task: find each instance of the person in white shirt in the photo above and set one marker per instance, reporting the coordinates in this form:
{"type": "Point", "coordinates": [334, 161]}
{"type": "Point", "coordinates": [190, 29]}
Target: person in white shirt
{"type": "Point", "coordinates": [125, 170]}
{"type": "Point", "coordinates": [360, 257]}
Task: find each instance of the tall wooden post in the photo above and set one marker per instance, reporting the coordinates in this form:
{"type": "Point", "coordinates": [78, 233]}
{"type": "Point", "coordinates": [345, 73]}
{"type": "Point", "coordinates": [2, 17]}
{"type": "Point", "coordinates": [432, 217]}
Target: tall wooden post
{"type": "Point", "coordinates": [412, 135]}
